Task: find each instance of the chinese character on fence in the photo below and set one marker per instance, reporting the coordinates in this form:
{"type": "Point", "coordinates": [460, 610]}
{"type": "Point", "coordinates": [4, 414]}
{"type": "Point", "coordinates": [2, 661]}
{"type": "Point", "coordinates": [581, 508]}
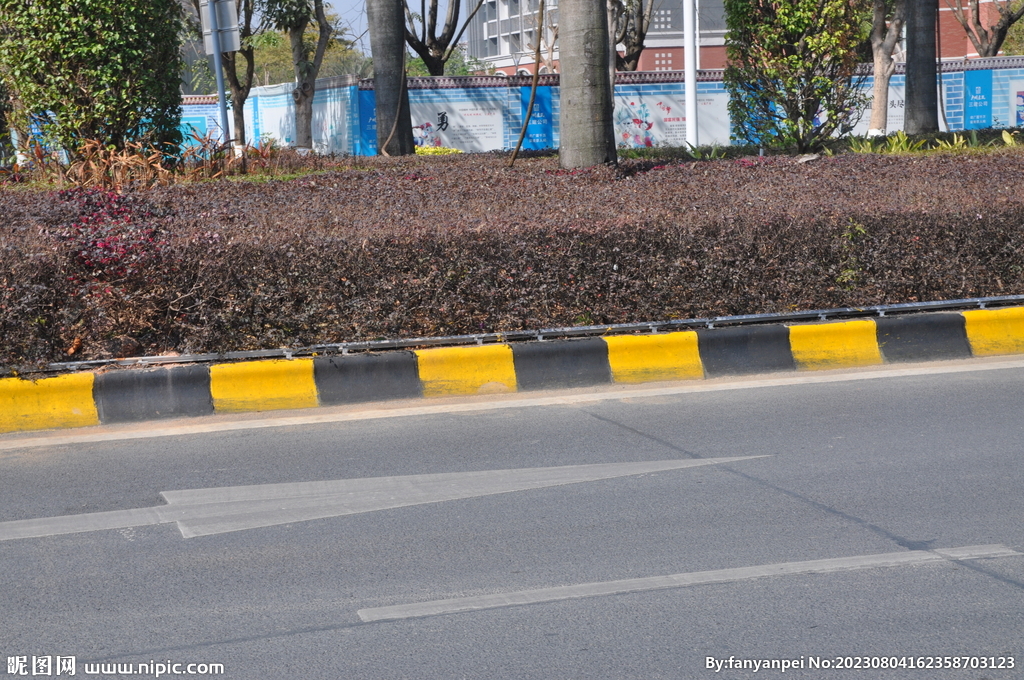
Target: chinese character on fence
{"type": "Point", "coordinates": [442, 121]}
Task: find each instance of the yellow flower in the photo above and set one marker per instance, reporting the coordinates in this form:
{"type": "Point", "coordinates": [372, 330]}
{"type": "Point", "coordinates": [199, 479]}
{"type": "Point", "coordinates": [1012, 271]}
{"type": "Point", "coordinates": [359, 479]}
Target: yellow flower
{"type": "Point", "coordinates": [435, 151]}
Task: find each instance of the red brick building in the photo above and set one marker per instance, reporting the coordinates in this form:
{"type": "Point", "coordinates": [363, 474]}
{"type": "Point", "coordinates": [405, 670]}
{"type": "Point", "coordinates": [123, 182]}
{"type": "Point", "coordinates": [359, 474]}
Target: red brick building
{"type": "Point", "coordinates": [502, 35]}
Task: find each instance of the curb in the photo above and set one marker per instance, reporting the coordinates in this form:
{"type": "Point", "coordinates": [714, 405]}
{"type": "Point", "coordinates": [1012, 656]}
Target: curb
{"type": "Point", "coordinates": [84, 399]}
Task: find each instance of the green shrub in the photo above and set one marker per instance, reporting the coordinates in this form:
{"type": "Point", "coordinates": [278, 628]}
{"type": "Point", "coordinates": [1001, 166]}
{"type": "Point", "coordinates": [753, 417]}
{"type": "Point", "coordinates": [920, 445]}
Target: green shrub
{"type": "Point", "coordinates": [792, 74]}
{"type": "Point", "coordinates": [103, 70]}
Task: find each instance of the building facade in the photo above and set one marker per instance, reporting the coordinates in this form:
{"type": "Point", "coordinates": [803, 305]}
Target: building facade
{"type": "Point", "coordinates": [503, 35]}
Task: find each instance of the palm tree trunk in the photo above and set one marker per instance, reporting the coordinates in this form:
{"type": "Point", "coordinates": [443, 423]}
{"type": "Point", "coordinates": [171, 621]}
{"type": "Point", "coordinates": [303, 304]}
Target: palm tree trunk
{"type": "Point", "coordinates": [386, 21]}
{"type": "Point", "coordinates": [587, 129]}
{"type": "Point", "coordinates": [922, 102]}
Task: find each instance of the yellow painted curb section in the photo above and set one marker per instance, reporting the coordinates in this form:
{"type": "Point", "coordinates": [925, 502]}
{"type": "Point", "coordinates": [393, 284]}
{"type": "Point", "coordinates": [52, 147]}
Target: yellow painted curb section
{"type": "Point", "coordinates": [263, 385]}
{"type": "Point", "coordinates": [845, 344]}
{"type": "Point", "coordinates": [448, 371]}
{"type": "Point", "coordinates": [995, 331]}
{"type": "Point", "coordinates": [64, 401]}
{"type": "Point", "coordinates": [646, 358]}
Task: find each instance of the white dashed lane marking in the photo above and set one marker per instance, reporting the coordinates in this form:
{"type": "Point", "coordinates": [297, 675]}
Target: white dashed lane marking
{"type": "Point", "coordinates": [633, 585]}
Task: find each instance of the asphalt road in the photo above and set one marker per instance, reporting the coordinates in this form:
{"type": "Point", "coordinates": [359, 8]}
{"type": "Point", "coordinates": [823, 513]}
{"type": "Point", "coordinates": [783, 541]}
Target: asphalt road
{"type": "Point", "coordinates": [880, 517]}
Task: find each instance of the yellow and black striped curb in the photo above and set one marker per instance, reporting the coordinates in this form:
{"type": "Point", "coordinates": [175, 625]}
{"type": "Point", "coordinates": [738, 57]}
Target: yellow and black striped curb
{"type": "Point", "coordinates": [81, 399]}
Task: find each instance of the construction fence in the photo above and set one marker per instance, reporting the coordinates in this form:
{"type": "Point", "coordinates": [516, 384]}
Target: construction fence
{"type": "Point", "coordinates": [485, 113]}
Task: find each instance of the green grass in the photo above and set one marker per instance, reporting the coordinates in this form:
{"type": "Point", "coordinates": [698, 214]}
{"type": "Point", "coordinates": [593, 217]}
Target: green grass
{"type": "Point", "coordinates": [963, 141]}
{"type": "Point", "coordinates": [688, 153]}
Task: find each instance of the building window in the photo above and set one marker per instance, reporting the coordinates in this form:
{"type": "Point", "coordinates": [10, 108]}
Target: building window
{"type": "Point", "coordinates": [662, 20]}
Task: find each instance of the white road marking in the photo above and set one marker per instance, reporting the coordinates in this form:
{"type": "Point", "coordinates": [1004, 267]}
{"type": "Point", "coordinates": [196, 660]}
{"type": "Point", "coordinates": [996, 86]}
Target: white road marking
{"type": "Point", "coordinates": [357, 413]}
{"type": "Point", "coordinates": [512, 599]}
{"type": "Point", "coordinates": [201, 512]}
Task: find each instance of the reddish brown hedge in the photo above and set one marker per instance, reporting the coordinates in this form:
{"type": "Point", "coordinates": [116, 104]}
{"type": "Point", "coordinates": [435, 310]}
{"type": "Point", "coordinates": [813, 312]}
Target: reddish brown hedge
{"type": "Point", "coordinates": [449, 245]}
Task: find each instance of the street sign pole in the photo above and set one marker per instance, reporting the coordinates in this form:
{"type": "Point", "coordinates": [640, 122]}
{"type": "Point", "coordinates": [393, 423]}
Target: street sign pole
{"type": "Point", "coordinates": [221, 98]}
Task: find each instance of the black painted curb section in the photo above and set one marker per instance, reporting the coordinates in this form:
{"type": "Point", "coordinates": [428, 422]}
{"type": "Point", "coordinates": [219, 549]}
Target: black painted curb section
{"type": "Point", "coordinates": [745, 350]}
{"type": "Point", "coordinates": [923, 337]}
{"type": "Point", "coordinates": [131, 396]}
{"type": "Point", "coordinates": [561, 363]}
{"type": "Point", "coordinates": [367, 377]}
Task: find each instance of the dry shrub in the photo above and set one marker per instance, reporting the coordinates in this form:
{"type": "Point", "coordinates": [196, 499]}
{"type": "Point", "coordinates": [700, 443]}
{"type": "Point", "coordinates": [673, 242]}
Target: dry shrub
{"type": "Point", "coordinates": [111, 168]}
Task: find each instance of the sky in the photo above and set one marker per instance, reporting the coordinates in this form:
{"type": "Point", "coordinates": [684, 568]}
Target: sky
{"type": "Point", "coordinates": [353, 15]}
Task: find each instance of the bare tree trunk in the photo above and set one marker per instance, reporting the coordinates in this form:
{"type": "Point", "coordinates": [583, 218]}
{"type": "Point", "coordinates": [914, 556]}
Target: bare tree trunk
{"type": "Point", "coordinates": [533, 87]}
{"type": "Point", "coordinates": [549, 62]}
{"type": "Point", "coordinates": [436, 49]}
{"type": "Point", "coordinates": [633, 31]}
{"type": "Point", "coordinates": [303, 92]}
{"type": "Point", "coordinates": [306, 71]}
{"type": "Point", "coordinates": [922, 103]}
{"type": "Point", "coordinates": [387, 46]}
{"type": "Point", "coordinates": [883, 42]}
{"type": "Point", "coordinates": [587, 129]}
{"type": "Point", "coordinates": [240, 88]}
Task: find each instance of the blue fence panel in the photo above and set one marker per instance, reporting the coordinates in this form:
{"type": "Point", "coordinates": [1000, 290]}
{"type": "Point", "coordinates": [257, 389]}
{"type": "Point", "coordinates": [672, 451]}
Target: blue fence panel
{"type": "Point", "coordinates": [485, 112]}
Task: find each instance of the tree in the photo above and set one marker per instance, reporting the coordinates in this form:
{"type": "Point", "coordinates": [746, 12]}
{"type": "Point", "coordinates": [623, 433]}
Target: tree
{"type": "Point", "coordinates": [587, 128]}
{"type": "Point", "coordinates": [240, 84]}
{"type": "Point", "coordinates": [387, 47]}
{"type": "Point", "coordinates": [1014, 43]}
{"type": "Point", "coordinates": [5, 112]}
{"type": "Point", "coordinates": [293, 16]}
{"type": "Point", "coordinates": [887, 17]}
{"type": "Point", "coordinates": [987, 39]}
{"type": "Point", "coordinates": [434, 48]}
{"type": "Point", "coordinates": [274, 56]}
{"type": "Point", "coordinates": [197, 75]}
{"type": "Point", "coordinates": [922, 102]}
{"type": "Point", "coordinates": [105, 70]}
{"type": "Point", "coordinates": [792, 74]}
{"type": "Point", "coordinates": [631, 31]}
{"type": "Point", "coordinates": [548, 39]}
{"type": "Point", "coordinates": [458, 64]}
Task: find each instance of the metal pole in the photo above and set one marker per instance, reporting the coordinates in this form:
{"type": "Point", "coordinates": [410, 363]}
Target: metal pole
{"type": "Point", "coordinates": [690, 69]}
{"type": "Point", "coordinates": [219, 71]}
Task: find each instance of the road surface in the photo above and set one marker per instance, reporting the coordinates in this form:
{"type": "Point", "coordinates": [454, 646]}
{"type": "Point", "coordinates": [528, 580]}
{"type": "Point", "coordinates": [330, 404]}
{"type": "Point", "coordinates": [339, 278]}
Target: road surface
{"type": "Point", "coordinates": [670, 531]}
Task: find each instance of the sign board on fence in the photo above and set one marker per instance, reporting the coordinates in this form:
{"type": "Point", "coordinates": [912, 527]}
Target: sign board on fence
{"type": "Point", "coordinates": [466, 125]}
{"type": "Point", "coordinates": [367, 123]}
{"type": "Point", "coordinates": [977, 100]}
{"type": "Point", "coordinates": [659, 119]}
{"type": "Point", "coordinates": [1016, 103]}
{"type": "Point", "coordinates": [539, 132]}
